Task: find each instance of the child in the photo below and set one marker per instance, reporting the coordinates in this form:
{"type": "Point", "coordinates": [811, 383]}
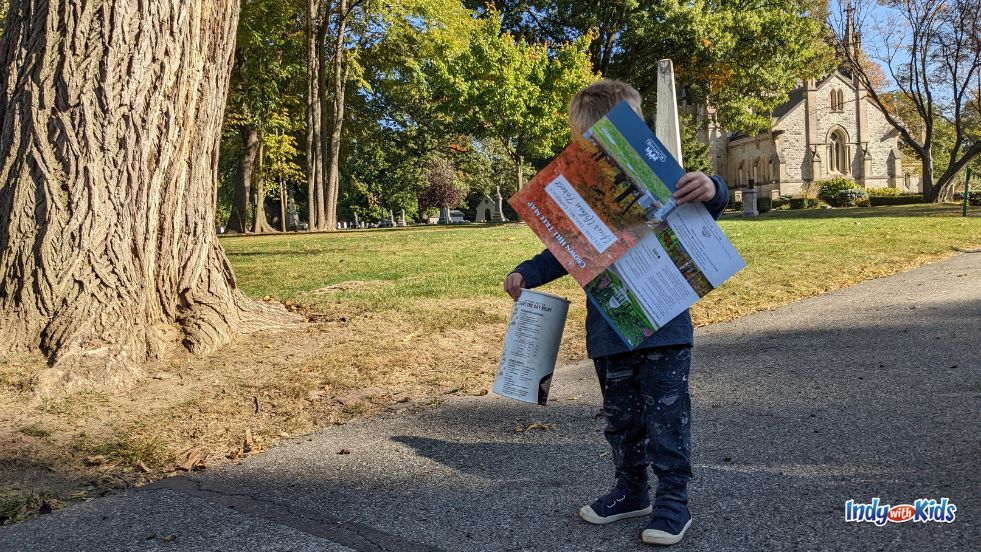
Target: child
{"type": "Point", "coordinates": [645, 391]}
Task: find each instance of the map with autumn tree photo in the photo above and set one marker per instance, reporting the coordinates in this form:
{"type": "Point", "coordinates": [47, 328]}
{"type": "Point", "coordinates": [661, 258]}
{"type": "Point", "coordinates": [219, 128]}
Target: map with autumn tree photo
{"type": "Point", "coordinates": [603, 207]}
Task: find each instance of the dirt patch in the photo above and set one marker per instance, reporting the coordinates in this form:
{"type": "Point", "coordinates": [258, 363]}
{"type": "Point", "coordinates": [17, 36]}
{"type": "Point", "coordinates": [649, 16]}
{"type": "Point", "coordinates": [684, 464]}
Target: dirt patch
{"type": "Point", "coordinates": [193, 413]}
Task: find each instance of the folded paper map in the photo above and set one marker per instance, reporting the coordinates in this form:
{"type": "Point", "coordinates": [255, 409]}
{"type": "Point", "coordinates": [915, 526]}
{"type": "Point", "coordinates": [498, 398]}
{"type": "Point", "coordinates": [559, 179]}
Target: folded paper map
{"type": "Point", "coordinates": [603, 207]}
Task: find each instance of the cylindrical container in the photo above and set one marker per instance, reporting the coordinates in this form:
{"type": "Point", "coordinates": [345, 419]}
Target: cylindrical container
{"type": "Point", "coordinates": [531, 347]}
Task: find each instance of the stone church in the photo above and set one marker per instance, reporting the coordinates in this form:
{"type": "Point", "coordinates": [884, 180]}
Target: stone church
{"type": "Point", "coordinates": [828, 128]}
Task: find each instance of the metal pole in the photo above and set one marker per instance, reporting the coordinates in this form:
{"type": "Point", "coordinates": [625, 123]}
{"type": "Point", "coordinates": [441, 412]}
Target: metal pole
{"type": "Point", "coordinates": [967, 191]}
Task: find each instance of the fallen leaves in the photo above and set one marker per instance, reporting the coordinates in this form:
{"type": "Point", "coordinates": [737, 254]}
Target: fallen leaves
{"type": "Point", "coordinates": [194, 459]}
{"type": "Point", "coordinates": [344, 451]}
{"type": "Point", "coordinates": [249, 446]}
{"type": "Point", "coordinates": [95, 460]}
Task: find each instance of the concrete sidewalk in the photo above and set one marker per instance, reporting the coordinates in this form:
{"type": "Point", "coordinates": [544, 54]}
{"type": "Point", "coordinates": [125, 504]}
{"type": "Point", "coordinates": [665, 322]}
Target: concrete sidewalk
{"type": "Point", "coordinates": [871, 391]}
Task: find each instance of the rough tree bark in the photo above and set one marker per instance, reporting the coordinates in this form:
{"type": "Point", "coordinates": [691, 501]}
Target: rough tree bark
{"type": "Point", "coordinates": [110, 120]}
{"type": "Point", "coordinates": [238, 221]}
{"type": "Point", "coordinates": [315, 165]}
{"type": "Point", "coordinates": [337, 123]}
{"type": "Point", "coordinates": [322, 144]}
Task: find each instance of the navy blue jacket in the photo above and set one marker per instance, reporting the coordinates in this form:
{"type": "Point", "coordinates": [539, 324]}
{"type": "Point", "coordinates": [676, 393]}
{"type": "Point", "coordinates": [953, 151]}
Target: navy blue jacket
{"type": "Point", "coordinates": [601, 339]}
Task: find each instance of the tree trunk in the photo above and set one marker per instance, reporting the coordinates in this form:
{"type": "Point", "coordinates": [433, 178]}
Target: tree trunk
{"type": "Point", "coordinates": [261, 225]}
{"type": "Point", "coordinates": [282, 206]}
{"type": "Point", "coordinates": [315, 165]}
{"type": "Point", "coordinates": [929, 189]}
{"type": "Point", "coordinates": [340, 86]}
{"type": "Point", "coordinates": [519, 162]}
{"type": "Point", "coordinates": [243, 180]}
{"type": "Point", "coordinates": [110, 121]}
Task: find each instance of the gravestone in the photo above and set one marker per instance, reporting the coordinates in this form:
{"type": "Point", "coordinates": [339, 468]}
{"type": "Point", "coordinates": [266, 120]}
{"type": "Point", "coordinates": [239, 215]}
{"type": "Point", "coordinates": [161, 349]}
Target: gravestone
{"type": "Point", "coordinates": [291, 220]}
{"type": "Point", "coordinates": [357, 223]}
{"type": "Point", "coordinates": [444, 216]}
{"type": "Point", "coordinates": [498, 214]}
{"type": "Point", "coordinates": [749, 200]}
{"type": "Point", "coordinates": [666, 126]}
{"type": "Point", "coordinates": [402, 218]}
{"type": "Point", "coordinates": [391, 218]}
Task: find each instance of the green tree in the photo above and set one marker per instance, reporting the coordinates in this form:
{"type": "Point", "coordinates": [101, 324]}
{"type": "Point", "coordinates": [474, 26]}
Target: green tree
{"type": "Point", "coordinates": [265, 86]}
{"type": "Point", "coordinates": [515, 92]}
{"type": "Point", "coordinates": [694, 152]}
{"type": "Point", "coordinates": [743, 58]}
{"type": "Point", "coordinates": [394, 124]}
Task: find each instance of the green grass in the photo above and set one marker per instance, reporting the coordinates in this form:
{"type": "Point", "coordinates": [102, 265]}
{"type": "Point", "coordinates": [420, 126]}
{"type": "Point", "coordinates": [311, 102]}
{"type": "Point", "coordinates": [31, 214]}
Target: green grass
{"type": "Point", "coordinates": [796, 254]}
{"type": "Point", "coordinates": [790, 255]}
{"type": "Point", "coordinates": [18, 505]}
{"type": "Point", "coordinates": [35, 430]}
{"type": "Point", "coordinates": [399, 267]}
{"type": "Point", "coordinates": [128, 450]}
{"type": "Point", "coordinates": [75, 404]}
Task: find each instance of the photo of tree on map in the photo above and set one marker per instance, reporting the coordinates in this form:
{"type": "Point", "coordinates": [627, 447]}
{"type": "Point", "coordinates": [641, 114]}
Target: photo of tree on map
{"type": "Point", "coordinates": [670, 242]}
{"type": "Point", "coordinates": [562, 234]}
{"type": "Point", "coordinates": [612, 297]}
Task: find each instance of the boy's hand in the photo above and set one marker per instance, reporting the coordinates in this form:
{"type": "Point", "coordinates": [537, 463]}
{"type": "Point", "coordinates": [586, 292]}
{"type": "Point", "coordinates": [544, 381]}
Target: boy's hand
{"type": "Point", "coordinates": [513, 284]}
{"type": "Point", "coordinates": [694, 187]}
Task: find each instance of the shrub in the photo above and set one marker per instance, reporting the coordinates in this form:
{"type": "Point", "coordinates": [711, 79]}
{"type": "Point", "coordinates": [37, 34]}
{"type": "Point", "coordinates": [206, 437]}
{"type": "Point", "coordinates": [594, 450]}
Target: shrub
{"type": "Point", "coordinates": [780, 202]}
{"type": "Point", "coordinates": [736, 205]}
{"type": "Point", "coordinates": [974, 198]}
{"type": "Point", "coordinates": [846, 198]}
{"type": "Point", "coordinates": [829, 189]}
{"type": "Point", "coordinates": [802, 203]}
{"type": "Point", "coordinates": [763, 204]}
{"type": "Point", "coordinates": [904, 199]}
{"type": "Point", "coordinates": [884, 192]}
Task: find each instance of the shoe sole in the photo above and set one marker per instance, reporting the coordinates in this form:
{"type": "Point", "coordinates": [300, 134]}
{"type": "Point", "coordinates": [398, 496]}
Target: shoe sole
{"type": "Point", "coordinates": [588, 514]}
{"type": "Point", "coordinates": [653, 536]}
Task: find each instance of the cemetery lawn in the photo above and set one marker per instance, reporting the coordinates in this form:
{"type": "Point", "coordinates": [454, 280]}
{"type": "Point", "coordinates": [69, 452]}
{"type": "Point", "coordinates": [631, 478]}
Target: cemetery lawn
{"type": "Point", "coordinates": [398, 320]}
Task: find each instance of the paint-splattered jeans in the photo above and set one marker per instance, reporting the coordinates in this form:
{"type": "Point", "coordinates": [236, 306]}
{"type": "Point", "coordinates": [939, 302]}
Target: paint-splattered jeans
{"type": "Point", "coordinates": [648, 414]}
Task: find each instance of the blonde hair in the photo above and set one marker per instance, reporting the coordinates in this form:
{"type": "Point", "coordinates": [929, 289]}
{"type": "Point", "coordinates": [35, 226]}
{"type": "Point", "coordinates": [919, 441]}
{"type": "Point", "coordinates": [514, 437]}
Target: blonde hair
{"type": "Point", "coordinates": [593, 102]}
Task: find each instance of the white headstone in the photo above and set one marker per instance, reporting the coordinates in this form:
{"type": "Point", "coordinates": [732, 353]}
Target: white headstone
{"type": "Point", "coordinates": [666, 126]}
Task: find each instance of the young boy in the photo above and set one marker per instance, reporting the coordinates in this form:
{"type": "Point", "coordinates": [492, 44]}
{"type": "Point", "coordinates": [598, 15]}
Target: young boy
{"type": "Point", "coordinates": [645, 391]}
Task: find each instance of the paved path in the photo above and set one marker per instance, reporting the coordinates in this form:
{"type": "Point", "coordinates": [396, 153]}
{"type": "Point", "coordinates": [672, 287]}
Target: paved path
{"type": "Point", "coordinates": [871, 391]}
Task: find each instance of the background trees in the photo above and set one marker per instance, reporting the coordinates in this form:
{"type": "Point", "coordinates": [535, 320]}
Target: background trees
{"type": "Point", "coordinates": [931, 93]}
{"type": "Point", "coordinates": [386, 88]}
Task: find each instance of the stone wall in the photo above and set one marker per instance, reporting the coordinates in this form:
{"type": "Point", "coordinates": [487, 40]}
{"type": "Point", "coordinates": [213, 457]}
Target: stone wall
{"type": "Point", "coordinates": [791, 139]}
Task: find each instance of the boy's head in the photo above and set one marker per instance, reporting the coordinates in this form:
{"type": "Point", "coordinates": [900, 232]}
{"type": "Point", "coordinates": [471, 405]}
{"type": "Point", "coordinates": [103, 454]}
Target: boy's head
{"type": "Point", "coordinates": [593, 102]}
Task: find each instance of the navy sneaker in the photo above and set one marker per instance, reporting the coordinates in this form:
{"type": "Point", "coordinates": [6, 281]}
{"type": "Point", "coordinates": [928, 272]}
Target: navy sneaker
{"type": "Point", "coordinates": [620, 503]}
{"type": "Point", "coordinates": [667, 526]}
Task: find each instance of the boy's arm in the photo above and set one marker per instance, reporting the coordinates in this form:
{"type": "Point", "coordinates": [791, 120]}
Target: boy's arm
{"type": "Point", "coordinates": [540, 269]}
{"type": "Point", "coordinates": [718, 203]}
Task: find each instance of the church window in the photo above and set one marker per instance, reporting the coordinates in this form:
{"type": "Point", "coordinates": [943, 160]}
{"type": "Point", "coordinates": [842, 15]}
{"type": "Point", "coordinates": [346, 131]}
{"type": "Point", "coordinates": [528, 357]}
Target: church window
{"type": "Point", "coordinates": [837, 152]}
{"type": "Point", "coordinates": [837, 101]}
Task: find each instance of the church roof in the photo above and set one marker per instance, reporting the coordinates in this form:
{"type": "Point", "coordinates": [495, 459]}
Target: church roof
{"type": "Point", "coordinates": [795, 97]}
